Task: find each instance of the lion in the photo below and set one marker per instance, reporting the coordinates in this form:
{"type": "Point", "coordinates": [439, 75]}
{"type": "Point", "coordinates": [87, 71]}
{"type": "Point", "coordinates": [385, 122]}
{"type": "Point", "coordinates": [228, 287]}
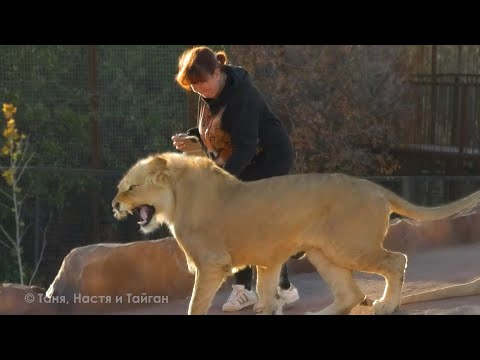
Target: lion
{"type": "Point", "coordinates": [223, 224]}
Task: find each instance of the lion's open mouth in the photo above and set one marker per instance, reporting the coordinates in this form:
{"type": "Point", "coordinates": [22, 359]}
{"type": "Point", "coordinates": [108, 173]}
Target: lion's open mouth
{"type": "Point", "coordinates": [145, 213]}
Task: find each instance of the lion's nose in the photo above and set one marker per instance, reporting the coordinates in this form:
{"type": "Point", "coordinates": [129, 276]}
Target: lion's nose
{"type": "Point", "coordinates": [116, 205]}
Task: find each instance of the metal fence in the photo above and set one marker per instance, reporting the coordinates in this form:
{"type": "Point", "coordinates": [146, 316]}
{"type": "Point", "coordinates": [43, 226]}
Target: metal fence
{"type": "Point", "coordinates": [119, 101]}
{"type": "Point", "coordinates": [447, 117]}
{"type": "Point", "coordinates": [91, 111]}
{"type": "Point", "coordinates": [78, 224]}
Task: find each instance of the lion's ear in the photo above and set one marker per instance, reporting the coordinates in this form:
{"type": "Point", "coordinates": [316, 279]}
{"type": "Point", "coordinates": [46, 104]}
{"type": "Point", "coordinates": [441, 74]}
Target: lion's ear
{"type": "Point", "coordinates": [157, 168]}
{"type": "Point", "coordinates": [158, 162]}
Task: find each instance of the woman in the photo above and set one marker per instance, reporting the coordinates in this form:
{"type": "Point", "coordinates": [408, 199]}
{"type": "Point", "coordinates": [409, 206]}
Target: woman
{"type": "Point", "coordinates": [240, 133]}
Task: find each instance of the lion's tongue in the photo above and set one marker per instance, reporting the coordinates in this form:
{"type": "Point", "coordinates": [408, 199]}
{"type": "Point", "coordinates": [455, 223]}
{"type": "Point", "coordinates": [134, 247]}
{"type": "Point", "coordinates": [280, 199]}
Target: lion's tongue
{"type": "Point", "coordinates": [143, 215]}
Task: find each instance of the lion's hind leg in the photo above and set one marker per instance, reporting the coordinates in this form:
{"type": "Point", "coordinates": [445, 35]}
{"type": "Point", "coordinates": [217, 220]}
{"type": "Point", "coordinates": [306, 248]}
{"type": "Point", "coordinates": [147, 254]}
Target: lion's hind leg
{"type": "Point", "coordinates": [391, 265]}
{"type": "Point", "coordinates": [267, 281]}
{"type": "Point", "coordinates": [346, 292]}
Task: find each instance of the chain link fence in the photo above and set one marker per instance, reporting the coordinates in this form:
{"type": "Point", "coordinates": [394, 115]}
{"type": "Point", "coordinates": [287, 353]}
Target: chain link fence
{"type": "Point", "coordinates": [90, 113]}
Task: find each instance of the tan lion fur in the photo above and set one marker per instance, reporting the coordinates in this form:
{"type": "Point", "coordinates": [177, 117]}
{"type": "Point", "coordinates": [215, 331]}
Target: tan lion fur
{"type": "Point", "coordinates": [223, 224]}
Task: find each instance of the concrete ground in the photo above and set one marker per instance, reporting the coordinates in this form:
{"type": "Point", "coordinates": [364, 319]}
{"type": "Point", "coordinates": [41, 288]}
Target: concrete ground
{"type": "Point", "coordinates": [426, 270]}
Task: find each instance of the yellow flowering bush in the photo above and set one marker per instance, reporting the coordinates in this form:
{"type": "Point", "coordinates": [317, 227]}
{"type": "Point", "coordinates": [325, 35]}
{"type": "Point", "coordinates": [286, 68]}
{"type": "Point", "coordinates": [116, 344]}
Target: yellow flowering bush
{"type": "Point", "coordinates": [13, 149]}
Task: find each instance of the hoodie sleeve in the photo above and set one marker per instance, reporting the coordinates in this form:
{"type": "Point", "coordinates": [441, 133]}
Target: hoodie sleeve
{"type": "Point", "coordinates": [194, 132]}
{"type": "Point", "coordinates": [243, 136]}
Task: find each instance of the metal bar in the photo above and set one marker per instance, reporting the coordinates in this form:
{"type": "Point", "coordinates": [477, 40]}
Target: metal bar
{"type": "Point", "coordinates": [462, 119]}
{"type": "Point", "coordinates": [92, 87]}
{"type": "Point", "coordinates": [442, 75]}
{"type": "Point", "coordinates": [95, 138]}
{"type": "Point", "coordinates": [433, 82]}
{"type": "Point", "coordinates": [433, 101]}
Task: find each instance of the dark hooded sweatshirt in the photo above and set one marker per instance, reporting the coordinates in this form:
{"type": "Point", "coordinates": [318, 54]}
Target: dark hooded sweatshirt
{"type": "Point", "coordinates": [259, 144]}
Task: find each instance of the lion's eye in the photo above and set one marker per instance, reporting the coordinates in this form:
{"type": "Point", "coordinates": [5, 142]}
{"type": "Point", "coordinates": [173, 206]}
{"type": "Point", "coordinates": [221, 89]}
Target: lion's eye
{"type": "Point", "coordinates": [132, 187]}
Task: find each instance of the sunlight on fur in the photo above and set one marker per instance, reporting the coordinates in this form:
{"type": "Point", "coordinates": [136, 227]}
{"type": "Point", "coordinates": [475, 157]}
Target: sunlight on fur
{"type": "Point", "coordinates": [222, 224]}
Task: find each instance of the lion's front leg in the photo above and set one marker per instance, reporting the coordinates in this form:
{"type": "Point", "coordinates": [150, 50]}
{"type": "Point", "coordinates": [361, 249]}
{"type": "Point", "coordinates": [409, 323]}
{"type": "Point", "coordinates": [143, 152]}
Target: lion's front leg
{"type": "Point", "coordinates": [267, 281]}
{"type": "Point", "coordinates": [207, 283]}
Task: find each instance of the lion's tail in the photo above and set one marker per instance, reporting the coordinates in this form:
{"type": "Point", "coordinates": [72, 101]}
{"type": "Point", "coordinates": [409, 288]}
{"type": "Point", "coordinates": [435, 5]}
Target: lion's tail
{"type": "Point", "coordinates": [421, 213]}
{"type": "Point", "coordinates": [468, 289]}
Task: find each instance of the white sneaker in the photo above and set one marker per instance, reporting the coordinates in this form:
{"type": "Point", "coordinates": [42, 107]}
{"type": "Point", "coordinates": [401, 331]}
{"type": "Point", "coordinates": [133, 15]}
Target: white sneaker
{"type": "Point", "coordinates": [239, 299]}
{"type": "Point", "coordinates": [289, 295]}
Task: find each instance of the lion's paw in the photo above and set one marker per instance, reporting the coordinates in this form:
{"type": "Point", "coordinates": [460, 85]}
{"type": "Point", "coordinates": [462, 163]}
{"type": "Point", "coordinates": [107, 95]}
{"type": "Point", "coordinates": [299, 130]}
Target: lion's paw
{"type": "Point", "coordinates": [327, 311]}
{"type": "Point", "coordinates": [264, 311]}
{"type": "Point", "coordinates": [383, 308]}
{"type": "Point", "coordinates": [258, 307]}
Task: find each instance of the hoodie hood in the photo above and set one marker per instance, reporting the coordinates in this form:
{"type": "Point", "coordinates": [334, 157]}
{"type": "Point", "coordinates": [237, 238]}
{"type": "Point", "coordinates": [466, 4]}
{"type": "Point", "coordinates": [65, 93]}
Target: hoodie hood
{"type": "Point", "coordinates": [238, 73]}
{"type": "Point", "coordinates": [237, 77]}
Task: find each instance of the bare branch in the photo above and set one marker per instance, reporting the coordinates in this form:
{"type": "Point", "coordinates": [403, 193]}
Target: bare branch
{"type": "Point", "coordinates": [27, 192]}
{"type": "Point", "coordinates": [22, 234]}
{"type": "Point", "coordinates": [27, 144]}
{"type": "Point", "coordinates": [5, 206]}
{"type": "Point", "coordinates": [6, 194]}
{"type": "Point", "coordinates": [8, 246]}
{"type": "Point", "coordinates": [44, 244]}
{"type": "Point", "coordinates": [7, 235]}
{"type": "Point", "coordinates": [23, 169]}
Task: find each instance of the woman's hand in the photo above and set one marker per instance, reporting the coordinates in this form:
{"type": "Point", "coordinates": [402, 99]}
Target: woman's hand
{"type": "Point", "coordinates": [179, 141]}
{"type": "Point", "coordinates": [186, 143]}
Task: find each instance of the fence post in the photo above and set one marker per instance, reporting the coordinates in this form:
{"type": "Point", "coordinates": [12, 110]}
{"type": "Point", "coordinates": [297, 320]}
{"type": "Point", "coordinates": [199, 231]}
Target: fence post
{"type": "Point", "coordinates": [93, 92]}
{"type": "Point", "coordinates": [94, 136]}
{"type": "Point", "coordinates": [434, 90]}
{"type": "Point", "coordinates": [407, 189]}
